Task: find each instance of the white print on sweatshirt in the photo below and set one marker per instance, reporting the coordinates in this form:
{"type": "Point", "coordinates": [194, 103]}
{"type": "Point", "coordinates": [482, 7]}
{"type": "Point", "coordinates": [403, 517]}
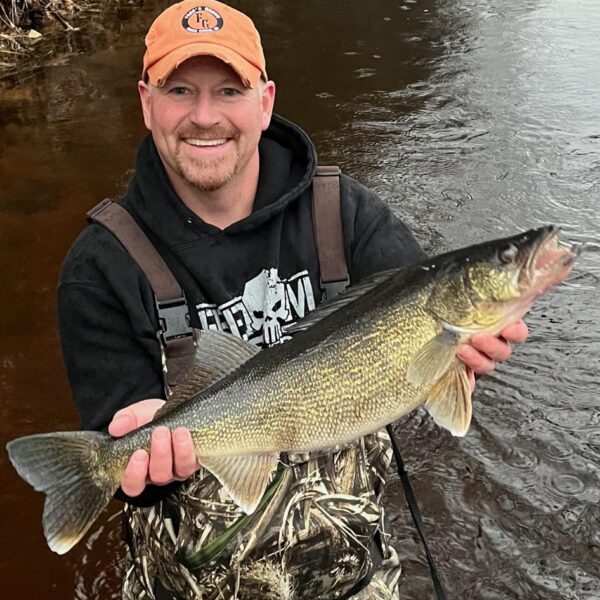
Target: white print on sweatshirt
{"type": "Point", "coordinates": [262, 312]}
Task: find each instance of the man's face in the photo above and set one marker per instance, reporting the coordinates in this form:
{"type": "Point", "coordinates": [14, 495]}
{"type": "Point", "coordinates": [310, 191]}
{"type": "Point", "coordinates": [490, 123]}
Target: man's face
{"type": "Point", "coordinates": [206, 125]}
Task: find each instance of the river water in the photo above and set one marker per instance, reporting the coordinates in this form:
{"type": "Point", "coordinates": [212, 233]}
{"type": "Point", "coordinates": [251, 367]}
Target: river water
{"type": "Point", "coordinates": [473, 119]}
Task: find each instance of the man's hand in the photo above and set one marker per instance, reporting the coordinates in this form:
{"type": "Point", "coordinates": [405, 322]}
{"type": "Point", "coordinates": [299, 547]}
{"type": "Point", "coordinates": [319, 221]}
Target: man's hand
{"type": "Point", "coordinates": [483, 350]}
{"type": "Point", "coordinates": [172, 454]}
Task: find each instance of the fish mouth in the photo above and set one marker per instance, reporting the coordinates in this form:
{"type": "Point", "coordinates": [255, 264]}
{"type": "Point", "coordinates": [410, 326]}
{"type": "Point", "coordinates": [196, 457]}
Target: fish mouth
{"type": "Point", "coordinates": [550, 263]}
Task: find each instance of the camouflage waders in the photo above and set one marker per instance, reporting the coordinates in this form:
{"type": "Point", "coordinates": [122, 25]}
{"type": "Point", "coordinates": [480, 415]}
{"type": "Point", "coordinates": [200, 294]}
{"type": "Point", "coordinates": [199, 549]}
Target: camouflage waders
{"type": "Point", "coordinates": [311, 539]}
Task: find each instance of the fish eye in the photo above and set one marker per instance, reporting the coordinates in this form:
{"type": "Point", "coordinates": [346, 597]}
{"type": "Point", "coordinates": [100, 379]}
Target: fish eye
{"type": "Point", "coordinates": [508, 254]}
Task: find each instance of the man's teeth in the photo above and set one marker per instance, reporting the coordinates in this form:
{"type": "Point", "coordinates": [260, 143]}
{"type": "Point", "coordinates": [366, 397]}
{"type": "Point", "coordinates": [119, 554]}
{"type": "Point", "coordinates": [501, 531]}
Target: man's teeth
{"type": "Point", "coordinates": [205, 142]}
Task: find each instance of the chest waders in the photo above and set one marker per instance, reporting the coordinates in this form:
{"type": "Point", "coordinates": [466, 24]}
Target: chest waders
{"type": "Point", "coordinates": [176, 338]}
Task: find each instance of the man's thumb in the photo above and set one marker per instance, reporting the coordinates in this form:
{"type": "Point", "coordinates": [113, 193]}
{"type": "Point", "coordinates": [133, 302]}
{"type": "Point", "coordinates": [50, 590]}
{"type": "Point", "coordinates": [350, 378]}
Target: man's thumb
{"type": "Point", "coordinates": [121, 424]}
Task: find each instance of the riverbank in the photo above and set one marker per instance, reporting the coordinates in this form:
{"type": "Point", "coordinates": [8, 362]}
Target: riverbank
{"type": "Point", "coordinates": [32, 32]}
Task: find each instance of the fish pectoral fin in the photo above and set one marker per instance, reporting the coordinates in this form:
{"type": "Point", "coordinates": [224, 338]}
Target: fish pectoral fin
{"type": "Point", "coordinates": [244, 477]}
{"type": "Point", "coordinates": [449, 401]}
{"type": "Point", "coordinates": [433, 360]}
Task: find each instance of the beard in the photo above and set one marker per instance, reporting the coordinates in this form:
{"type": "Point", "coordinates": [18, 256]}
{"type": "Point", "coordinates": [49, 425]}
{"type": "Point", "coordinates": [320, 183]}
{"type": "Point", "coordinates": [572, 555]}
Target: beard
{"type": "Point", "coordinates": [210, 174]}
{"type": "Point", "coordinates": [207, 175]}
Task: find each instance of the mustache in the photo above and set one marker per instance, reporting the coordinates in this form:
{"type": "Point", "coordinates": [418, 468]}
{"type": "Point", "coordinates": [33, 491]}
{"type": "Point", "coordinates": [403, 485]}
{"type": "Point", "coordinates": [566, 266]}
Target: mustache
{"type": "Point", "coordinates": [208, 134]}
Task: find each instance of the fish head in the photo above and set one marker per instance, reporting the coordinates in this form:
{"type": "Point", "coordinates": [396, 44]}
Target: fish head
{"type": "Point", "coordinates": [492, 284]}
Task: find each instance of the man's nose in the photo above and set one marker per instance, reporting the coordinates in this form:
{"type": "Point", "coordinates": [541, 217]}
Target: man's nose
{"type": "Point", "coordinates": [205, 113]}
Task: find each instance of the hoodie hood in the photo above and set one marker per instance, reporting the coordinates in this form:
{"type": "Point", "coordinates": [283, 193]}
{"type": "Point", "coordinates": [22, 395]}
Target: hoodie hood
{"type": "Point", "coordinates": [287, 166]}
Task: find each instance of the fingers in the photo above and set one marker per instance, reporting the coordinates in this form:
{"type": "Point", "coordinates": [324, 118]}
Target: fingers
{"type": "Point", "coordinates": [184, 454]}
{"type": "Point", "coordinates": [493, 347]}
{"type": "Point", "coordinates": [134, 478]}
{"type": "Point", "coordinates": [161, 457]}
{"type": "Point", "coordinates": [517, 332]}
{"type": "Point", "coordinates": [172, 456]}
{"type": "Point", "coordinates": [475, 360]}
{"type": "Point", "coordinates": [483, 350]}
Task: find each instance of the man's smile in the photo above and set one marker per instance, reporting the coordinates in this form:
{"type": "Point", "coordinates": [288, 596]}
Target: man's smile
{"type": "Point", "coordinates": [205, 143]}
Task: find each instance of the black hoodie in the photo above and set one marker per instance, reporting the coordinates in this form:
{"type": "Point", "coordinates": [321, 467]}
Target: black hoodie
{"type": "Point", "coordinates": [250, 278]}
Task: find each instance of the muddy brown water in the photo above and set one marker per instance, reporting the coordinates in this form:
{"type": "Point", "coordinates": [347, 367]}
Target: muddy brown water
{"type": "Point", "coordinates": [473, 119]}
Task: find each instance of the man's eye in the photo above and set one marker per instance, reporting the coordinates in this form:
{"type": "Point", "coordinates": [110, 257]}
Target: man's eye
{"type": "Point", "coordinates": [178, 91]}
{"type": "Point", "coordinates": [230, 92]}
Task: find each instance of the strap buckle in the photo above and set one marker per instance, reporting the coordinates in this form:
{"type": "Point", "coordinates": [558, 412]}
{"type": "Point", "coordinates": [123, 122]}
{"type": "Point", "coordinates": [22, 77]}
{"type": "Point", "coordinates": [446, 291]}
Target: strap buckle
{"type": "Point", "coordinates": [331, 289]}
{"type": "Point", "coordinates": [173, 319]}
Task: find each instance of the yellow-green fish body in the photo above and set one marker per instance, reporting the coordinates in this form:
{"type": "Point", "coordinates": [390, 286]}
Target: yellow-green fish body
{"type": "Point", "coordinates": [353, 366]}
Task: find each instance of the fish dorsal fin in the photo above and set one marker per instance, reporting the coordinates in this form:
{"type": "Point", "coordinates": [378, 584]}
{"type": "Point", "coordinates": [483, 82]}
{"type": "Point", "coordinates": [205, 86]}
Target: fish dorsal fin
{"type": "Point", "coordinates": [244, 477]}
{"type": "Point", "coordinates": [217, 355]}
{"type": "Point", "coordinates": [433, 360]}
{"type": "Point", "coordinates": [349, 295]}
{"type": "Point", "coordinates": [449, 400]}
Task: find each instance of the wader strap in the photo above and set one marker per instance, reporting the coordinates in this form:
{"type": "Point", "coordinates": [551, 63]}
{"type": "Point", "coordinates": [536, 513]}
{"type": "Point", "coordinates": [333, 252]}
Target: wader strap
{"type": "Point", "coordinates": [329, 237]}
{"type": "Point", "coordinates": [175, 333]}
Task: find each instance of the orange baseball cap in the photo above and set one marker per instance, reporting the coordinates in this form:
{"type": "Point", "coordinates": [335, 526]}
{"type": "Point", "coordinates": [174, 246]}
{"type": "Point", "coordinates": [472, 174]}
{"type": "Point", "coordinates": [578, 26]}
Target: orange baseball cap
{"type": "Point", "coordinates": [203, 27]}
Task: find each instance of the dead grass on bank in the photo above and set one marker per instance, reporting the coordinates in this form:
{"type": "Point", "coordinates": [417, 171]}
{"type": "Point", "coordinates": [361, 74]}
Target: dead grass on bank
{"type": "Point", "coordinates": [25, 23]}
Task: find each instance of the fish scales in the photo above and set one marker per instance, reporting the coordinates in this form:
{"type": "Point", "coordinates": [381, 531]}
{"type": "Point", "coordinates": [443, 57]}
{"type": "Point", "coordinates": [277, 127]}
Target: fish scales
{"type": "Point", "coordinates": [323, 395]}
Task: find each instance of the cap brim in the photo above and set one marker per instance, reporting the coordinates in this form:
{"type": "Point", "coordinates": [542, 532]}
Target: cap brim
{"type": "Point", "coordinates": [160, 71]}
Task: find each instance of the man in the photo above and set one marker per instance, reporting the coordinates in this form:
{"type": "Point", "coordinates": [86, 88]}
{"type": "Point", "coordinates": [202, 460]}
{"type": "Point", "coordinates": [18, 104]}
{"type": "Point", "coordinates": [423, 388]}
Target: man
{"type": "Point", "coordinates": [222, 188]}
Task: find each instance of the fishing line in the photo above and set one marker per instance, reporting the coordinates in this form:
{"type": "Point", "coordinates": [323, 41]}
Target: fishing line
{"type": "Point", "coordinates": [416, 515]}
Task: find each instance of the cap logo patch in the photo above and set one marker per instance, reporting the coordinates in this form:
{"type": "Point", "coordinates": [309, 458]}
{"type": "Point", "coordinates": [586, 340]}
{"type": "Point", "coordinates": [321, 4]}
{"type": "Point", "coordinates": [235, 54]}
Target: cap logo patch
{"type": "Point", "coordinates": [202, 19]}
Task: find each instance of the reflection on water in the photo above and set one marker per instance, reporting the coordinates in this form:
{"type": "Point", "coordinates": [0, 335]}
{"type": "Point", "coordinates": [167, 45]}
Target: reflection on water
{"type": "Point", "coordinates": [473, 119]}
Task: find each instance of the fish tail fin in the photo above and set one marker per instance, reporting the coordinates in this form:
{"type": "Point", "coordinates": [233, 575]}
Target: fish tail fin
{"type": "Point", "coordinates": [65, 467]}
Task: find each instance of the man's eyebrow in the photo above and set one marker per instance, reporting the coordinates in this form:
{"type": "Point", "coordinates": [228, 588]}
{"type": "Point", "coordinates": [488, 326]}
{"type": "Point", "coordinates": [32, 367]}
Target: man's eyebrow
{"type": "Point", "coordinates": [175, 81]}
{"type": "Point", "coordinates": [231, 80]}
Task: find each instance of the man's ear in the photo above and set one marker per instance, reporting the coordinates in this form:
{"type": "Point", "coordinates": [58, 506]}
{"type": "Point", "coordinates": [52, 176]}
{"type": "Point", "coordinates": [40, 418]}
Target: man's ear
{"type": "Point", "coordinates": [268, 102]}
{"type": "Point", "coordinates": [146, 101]}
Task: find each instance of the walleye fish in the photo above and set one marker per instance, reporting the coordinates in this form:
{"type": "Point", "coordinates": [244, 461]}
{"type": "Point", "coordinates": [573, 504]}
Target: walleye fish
{"type": "Point", "coordinates": [353, 365]}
